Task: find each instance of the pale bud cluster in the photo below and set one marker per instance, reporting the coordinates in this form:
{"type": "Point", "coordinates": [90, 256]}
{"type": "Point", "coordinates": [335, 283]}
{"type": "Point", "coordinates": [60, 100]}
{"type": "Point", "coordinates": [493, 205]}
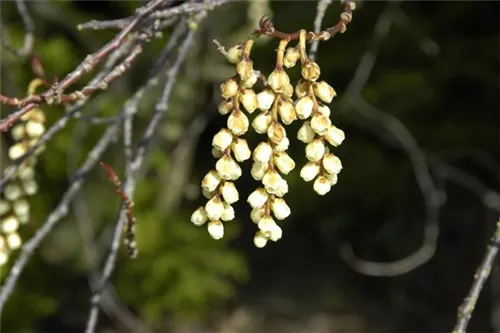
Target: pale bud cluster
{"type": "Point", "coordinates": [14, 205]}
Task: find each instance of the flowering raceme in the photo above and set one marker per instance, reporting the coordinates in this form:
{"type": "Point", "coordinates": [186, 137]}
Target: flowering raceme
{"type": "Point", "coordinates": [275, 107]}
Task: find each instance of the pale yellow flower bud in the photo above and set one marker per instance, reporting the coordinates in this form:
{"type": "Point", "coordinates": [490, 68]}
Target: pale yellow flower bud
{"type": "Point", "coordinates": [222, 139]}
{"type": "Point", "coordinates": [310, 71]}
{"type": "Point", "coordinates": [332, 163]}
{"type": "Point", "coordinates": [320, 123]}
{"type": "Point", "coordinates": [280, 209]}
{"type": "Point", "coordinates": [234, 53]}
{"type": "Point", "coordinates": [18, 132]}
{"type": "Point", "coordinates": [271, 181]}
{"type": "Point", "coordinates": [289, 90]}
{"type": "Point", "coordinates": [324, 91]}
{"type": "Point", "coordinates": [17, 150]}
{"type": "Point", "coordinates": [248, 99]}
{"type": "Point", "coordinates": [245, 69]}
{"type": "Point", "coordinates": [276, 132]}
{"type": "Point", "coordinates": [199, 217]}
{"type": "Point", "coordinates": [225, 107]}
{"type": "Point", "coordinates": [258, 198]}
{"type": "Point", "coordinates": [275, 233]}
{"type": "Point", "coordinates": [287, 112]}
{"type": "Point", "coordinates": [229, 88]}
{"type": "Point", "coordinates": [14, 241]}
{"type": "Point", "coordinates": [266, 225]}
{"type": "Point", "coordinates": [260, 240]}
{"type": "Point", "coordinates": [214, 208]}
{"type": "Point", "coordinates": [4, 256]}
{"type": "Point", "coordinates": [259, 170]}
{"type": "Point", "coordinates": [332, 178]}
{"type": "Point", "coordinates": [334, 136]}
{"type": "Point", "coordinates": [207, 194]}
{"type": "Point", "coordinates": [228, 213]}
{"type": "Point", "coordinates": [282, 145]}
{"type": "Point", "coordinates": [284, 163]}
{"type": "Point", "coordinates": [238, 123]}
{"type": "Point", "coordinates": [306, 134]}
{"type": "Point", "coordinates": [241, 151]}
{"type": "Point", "coordinates": [278, 80]}
{"type": "Point", "coordinates": [302, 88]}
{"type": "Point", "coordinates": [309, 171]}
{"type": "Point", "coordinates": [25, 172]}
{"type": "Point", "coordinates": [282, 188]}
{"type": "Point", "coordinates": [215, 229]}
{"type": "Point", "coordinates": [227, 168]}
{"type": "Point", "coordinates": [217, 153]}
{"type": "Point", "coordinates": [250, 82]}
{"type": "Point", "coordinates": [315, 150]}
{"type": "Point", "coordinates": [12, 192]}
{"type": "Point", "coordinates": [210, 181]}
{"type": "Point", "coordinates": [322, 185]}
{"type": "Point", "coordinates": [257, 214]}
{"type": "Point", "coordinates": [324, 110]}
{"type": "Point", "coordinates": [30, 186]}
{"type": "Point", "coordinates": [261, 122]}
{"type": "Point", "coordinates": [23, 218]}
{"type": "Point", "coordinates": [304, 107]}
{"type": "Point", "coordinates": [21, 207]}
{"type": "Point", "coordinates": [34, 129]}
{"type": "Point", "coordinates": [229, 192]}
{"type": "Point", "coordinates": [292, 55]}
{"type": "Point", "coordinates": [10, 224]}
{"type": "Point", "coordinates": [265, 99]}
{"type": "Point", "coordinates": [4, 207]}
{"type": "Point", "coordinates": [262, 152]}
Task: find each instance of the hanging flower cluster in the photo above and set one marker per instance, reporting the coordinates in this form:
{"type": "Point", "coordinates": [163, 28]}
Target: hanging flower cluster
{"type": "Point", "coordinates": [14, 205]}
{"type": "Point", "coordinates": [277, 105]}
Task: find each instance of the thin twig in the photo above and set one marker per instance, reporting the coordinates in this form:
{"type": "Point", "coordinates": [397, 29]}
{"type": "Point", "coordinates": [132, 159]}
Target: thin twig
{"type": "Point", "coordinates": [480, 277]}
{"type": "Point", "coordinates": [320, 14]}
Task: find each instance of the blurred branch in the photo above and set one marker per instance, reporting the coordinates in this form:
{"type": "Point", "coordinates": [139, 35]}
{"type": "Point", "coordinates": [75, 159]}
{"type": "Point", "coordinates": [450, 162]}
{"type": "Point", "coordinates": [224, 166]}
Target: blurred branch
{"type": "Point", "coordinates": [29, 38]}
{"type": "Point", "coordinates": [320, 14]}
{"type": "Point", "coordinates": [480, 277]}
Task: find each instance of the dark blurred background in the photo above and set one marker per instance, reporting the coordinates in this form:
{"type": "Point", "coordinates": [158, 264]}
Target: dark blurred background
{"type": "Point", "coordinates": [432, 93]}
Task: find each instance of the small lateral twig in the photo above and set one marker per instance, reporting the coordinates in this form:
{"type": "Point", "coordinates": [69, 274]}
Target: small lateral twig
{"type": "Point", "coordinates": [129, 228]}
{"type": "Point", "coordinates": [480, 277]}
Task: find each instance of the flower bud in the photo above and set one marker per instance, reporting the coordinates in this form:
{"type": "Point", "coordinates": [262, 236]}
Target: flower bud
{"type": "Point", "coordinates": [34, 129]}
{"type": "Point", "coordinates": [241, 151]}
{"type": "Point", "coordinates": [262, 152]}
{"type": "Point", "coordinates": [320, 123]}
{"type": "Point", "coordinates": [315, 150]}
{"type": "Point", "coordinates": [292, 55]}
{"type": "Point", "coordinates": [227, 168]}
{"type": "Point", "coordinates": [17, 150]}
{"type": "Point", "coordinates": [229, 88]}
{"type": "Point", "coordinates": [265, 99]}
{"type": "Point", "coordinates": [12, 192]}
{"type": "Point", "coordinates": [206, 193]}
{"type": "Point", "coordinates": [250, 82]}
{"type": "Point", "coordinates": [302, 88]}
{"type": "Point", "coordinates": [225, 107]}
{"type": "Point", "coordinates": [10, 224]}
{"type": "Point", "coordinates": [229, 192]}
{"type": "Point", "coordinates": [322, 185]}
{"type": "Point", "coordinates": [21, 207]}
{"type": "Point", "coordinates": [282, 188]}
{"type": "Point", "coordinates": [210, 181]}
{"type": "Point", "coordinates": [4, 255]}
{"type": "Point", "coordinates": [304, 107]}
{"type": "Point", "coordinates": [222, 139]}
{"type": "Point", "coordinates": [228, 213]}
{"type": "Point", "coordinates": [266, 224]}
{"type": "Point", "coordinates": [289, 90]}
{"type": "Point", "coordinates": [199, 217]}
{"type": "Point", "coordinates": [4, 207]}
{"type": "Point", "coordinates": [248, 99]}
{"type": "Point", "coordinates": [18, 132]}
{"type": "Point", "coordinates": [258, 198]}
{"type": "Point", "coordinates": [282, 145]}
{"type": "Point", "coordinates": [23, 218]}
{"type": "Point", "coordinates": [215, 229]}
{"type": "Point", "coordinates": [245, 69]}
{"type": "Point", "coordinates": [306, 134]}
{"type": "Point", "coordinates": [261, 122]}
{"type": "Point", "coordinates": [278, 80]}
{"type": "Point", "coordinates": [238, 123]}
{"type": "Point", "coordinates": [287, 112]}
{"type": "Point", "coordinates": [324, 110]}
{"type": "Point", "coordinates": [30, 186]}
{"type": "Point", "coordinates": [332, 163]}
{"type": "Point", "coordinates": [257, 214]}
{"type": "Point", "coordinates": [217, 153]}
{"type": "Point", "coordinates": [276, 132]}
{"type": "Point", "coordinates": [214, 208]}
{"type": "Point", "coordinates": [260, 240]}
{"type": "Point", "coordinates": [280, 209]}
{"type": "Point", "coordinates": [259, 170]}
{"type": "Point", "coordinates": [334, 136]}
{"type": "Point", "coordinates": [275, 233]}
{"type": "Point", "coordinates": [234, 53]}
{"type": "Point", "coordinates": [271, 181]}
{"type": "Point", "coordinates": [284, 163]}
{"type": "Point", "coordinates": [324, 91]}
{"type": "Point", "coordinates": [25, 172]}
{"type": "Point", "coordinates": [309, 171]}
{"type": "Point", "coordinates": [310, 71]}
{"type": "Point", "coordinates": [332, 178]}
{"type": "Point", "coordinates": [14, 241]}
